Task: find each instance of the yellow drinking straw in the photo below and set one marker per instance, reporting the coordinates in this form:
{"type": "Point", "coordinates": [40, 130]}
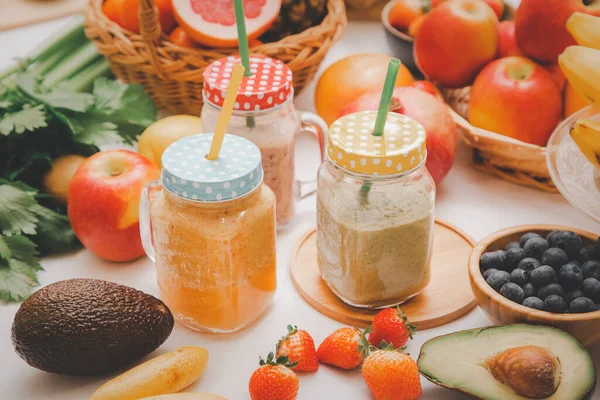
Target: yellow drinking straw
{"type": "Point", "coordinates": [225, 115]}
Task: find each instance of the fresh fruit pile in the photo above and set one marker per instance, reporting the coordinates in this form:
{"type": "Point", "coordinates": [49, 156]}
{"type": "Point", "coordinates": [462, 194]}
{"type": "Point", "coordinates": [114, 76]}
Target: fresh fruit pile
{"type": "Point", "coordinates": [387, 371]}
{"type": "Point", "coordinates": [339, 92]}
{"type": "Point", "coordinates": [211, 23]}
{"type": "Point", "coordinates": [555, 274]}
{"type": "Point", "coordinates": [517, 88]}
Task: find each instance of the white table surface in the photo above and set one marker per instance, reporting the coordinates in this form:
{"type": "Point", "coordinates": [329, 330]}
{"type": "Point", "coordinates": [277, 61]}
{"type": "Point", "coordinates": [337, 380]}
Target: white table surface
{"type": "Point", "coordinates": [477, 203]}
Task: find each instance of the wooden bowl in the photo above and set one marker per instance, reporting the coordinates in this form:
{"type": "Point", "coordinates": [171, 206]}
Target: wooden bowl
{"type": "Point", "coordinates": [585, 327]}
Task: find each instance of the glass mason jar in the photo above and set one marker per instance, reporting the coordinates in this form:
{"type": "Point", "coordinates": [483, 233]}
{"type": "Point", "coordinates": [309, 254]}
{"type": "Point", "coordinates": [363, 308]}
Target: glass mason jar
{"type": "Point", "coordinates": [210, 228]}
{"type": "Point", "coordinates": [375, 204]}
{"type": "Point", "coordinates": [264, 114]}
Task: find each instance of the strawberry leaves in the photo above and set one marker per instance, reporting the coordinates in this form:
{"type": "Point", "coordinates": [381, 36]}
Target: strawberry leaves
{"type": "Point", "coordinates": [282, 360]}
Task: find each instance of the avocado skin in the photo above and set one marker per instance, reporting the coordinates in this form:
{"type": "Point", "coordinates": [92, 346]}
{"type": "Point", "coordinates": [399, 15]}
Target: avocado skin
{"type": "Point", "coordinates": [89, 327]}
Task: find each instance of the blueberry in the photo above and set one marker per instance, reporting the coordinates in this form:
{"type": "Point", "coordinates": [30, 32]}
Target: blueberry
{"type": "Point", "coordinates": [584, 255]}
{"type": "Point", "coordinates": [513, 292]}
{"type": "Point", "coordinates": [591, 289]}
{"type": "Point", "coordinates": [513, 258]}
{"type": "Point", "coordinates": [542, 276]}
{"type": "Point", "coordinates": [526, 237]}
{"type": "Point", "coordinates": [555, 258]}
{"type": "Point", "coordinates": [553, 289]}
{"type": "Point", "coordinates": [591, 269]}
{"type": "Point", "coordinates": [529, 290]}
{"type": "Point", "coordinates": [582, 305]}
{"type": "Point", "coordinates": [572, 295]}
{"type": "Point", "coordinates": [498, 279]}
{"type": "Point", "coordinates": [555, 304]}
{"type": "Point", "coordinates": [594, 252]}
{"type": "Point", "coordinates": [512, 245]}
{"type": "Point", "coordinates": [550, 237]}
{"type": "Point", "coordinates": [494, 259]}
{"type": "Point", "coordinates": [487, 273]}
{"type": "Point", "coordinates": [519, 277]}
{"type": "Point", "coordinates": [570, 276]}
{"type": "Point", "coordinates": [529, 264]}
{"type": "Point", "coordinates": [570, 242]}
{"type": "Point", "coordinates": [536, 247]}
{"type": "Point", "coordinates": [534, 302]}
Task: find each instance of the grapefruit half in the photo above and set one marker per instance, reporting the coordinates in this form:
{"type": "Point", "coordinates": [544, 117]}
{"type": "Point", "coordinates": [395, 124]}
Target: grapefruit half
{"type": "Point", "coordinates": [212, 22]}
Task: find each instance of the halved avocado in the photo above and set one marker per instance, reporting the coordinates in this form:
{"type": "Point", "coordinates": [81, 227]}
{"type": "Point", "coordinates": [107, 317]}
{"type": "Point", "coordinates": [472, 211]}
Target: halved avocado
{"type": "Point", "coordinates": [461, 361]}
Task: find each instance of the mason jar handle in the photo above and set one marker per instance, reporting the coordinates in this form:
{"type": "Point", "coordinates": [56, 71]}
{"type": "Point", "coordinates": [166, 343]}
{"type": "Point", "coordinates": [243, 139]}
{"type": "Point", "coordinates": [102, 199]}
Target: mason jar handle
{"type": "Point", "coordinates": [314, 124]}
{"type": "Point", "coordinates": [148, 194]}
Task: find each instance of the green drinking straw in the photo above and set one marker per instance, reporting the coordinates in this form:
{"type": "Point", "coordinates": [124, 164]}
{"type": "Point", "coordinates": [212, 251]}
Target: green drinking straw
{"type": "Point", "coordinates": [382, 113]}
{"type": "Point", "coordinates": [240, 20]}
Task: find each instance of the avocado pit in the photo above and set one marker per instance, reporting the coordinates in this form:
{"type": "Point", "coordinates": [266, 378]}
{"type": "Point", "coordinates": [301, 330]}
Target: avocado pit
{"type": "Point", "coordinates": [531, 371]}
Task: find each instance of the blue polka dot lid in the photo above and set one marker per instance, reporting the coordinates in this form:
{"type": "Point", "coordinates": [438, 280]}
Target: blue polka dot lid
{"type": "Point", "coordinates": [189, 174]}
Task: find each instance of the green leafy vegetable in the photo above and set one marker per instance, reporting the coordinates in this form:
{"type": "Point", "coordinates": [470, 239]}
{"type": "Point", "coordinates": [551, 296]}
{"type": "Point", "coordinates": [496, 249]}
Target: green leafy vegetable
{"type": "Point", "coordinates": [54, 102]}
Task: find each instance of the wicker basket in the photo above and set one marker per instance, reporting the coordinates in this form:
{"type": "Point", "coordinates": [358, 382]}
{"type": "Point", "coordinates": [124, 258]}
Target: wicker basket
{"type": "Point", "coordinates": [172, 75]}
{"type": "Point", "coordinates": [511, 159]}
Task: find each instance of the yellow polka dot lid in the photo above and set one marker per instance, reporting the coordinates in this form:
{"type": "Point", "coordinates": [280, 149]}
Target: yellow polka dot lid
{"type": "Point", "coordinates": [352, 145]}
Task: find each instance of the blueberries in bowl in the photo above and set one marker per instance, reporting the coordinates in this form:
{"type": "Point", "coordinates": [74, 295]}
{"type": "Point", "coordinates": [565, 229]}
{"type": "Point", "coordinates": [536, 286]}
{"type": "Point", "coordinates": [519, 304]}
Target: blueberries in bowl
{"type": "Point", "coordinates": [535, 303]}
{"type": "Point", "coordinates": [536, 247]}
{"type": "Point", "coordinates": [555, 274]}
{"type": "Point", "coordinates": [555, 304]}
{"type": "Point", "coordinates": [513, 292]}
{"type": "Point", "coordinates": [495, 259]}
{"type": "Point", "coordinates": [528, 236]}
{"type": "Point", "coordinates": [555, 258]}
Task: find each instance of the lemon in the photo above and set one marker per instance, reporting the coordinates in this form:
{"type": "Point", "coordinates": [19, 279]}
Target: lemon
{"type": "Point", "coordinates": [161, 134]}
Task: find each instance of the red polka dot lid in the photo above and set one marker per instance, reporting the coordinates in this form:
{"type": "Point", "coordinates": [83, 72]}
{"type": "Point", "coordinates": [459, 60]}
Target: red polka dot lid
{"type": "Point", "coordinates": [269, 86]}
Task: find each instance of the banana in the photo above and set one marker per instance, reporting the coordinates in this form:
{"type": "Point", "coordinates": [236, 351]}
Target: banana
{"type": "Point", "coordinates": [585, 29]}
{"type": "Point", "coordinates": [586, 134]}
{"type": "Point", "coordinates": [581, 66]}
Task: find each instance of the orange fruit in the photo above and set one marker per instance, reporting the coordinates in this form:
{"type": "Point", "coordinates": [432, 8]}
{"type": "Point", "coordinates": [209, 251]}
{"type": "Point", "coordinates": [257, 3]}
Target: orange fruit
{"type": "Point", "coordinates": [349, 78]}
{"type": "Point", "coordinates": [128, 14]}
{"type": "Point", "coordinates": [110, 10]}
{"type": "Point", "coordinates": [180, 38]}
{"type": "Point", "coordinates": [212, 22]}
{"type": "Point", "coordinates": [404, 12]}
{"type": "Point", "coordinates": [573, 102]}
{"type": "Point", "coordinates": [415, 26]}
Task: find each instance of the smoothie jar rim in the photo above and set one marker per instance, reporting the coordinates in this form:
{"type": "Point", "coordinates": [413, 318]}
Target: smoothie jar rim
{"type": "Point", "coordinates": [377, 178]}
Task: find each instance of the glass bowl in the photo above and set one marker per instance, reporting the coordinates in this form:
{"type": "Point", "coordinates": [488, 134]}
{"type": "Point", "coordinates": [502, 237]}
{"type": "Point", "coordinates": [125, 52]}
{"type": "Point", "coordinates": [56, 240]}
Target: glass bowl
{"type": "Point", "coordinates": [574, 176]}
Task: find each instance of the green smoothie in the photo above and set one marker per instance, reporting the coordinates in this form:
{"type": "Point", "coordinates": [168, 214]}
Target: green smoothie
{"type": "Point", "coordinates": [374, 255]}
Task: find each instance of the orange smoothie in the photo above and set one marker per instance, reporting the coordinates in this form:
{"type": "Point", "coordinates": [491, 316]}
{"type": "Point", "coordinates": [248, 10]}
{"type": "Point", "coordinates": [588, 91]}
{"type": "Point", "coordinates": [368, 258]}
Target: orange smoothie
{"type": "Point", "coordinates": [216, 262]}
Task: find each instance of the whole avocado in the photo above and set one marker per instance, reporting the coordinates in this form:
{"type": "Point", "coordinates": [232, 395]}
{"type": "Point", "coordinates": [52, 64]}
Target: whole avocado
{"type": "Point", "coordinates": [88, 327]}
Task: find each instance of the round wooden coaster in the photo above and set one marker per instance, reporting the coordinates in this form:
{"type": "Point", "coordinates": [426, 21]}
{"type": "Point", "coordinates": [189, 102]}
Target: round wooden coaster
{"type": "Point", "coordinates": [447, 297]}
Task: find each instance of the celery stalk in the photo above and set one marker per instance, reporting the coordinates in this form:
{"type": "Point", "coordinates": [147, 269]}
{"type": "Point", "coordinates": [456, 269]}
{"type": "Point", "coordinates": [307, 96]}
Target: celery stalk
{"type": "Point", "coordinates": [47, 64]}
{"type": "Point", "coordinates": [83, 81]}
{"type": "Point", "coordinates": [71, 36]}
{"type": "Point", "coordinates": [71, 65]}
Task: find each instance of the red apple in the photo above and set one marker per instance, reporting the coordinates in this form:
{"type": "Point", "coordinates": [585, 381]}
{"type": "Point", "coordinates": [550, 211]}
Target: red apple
{"type": "Point", "coordinates": [558, 75]}
{"type": "Point", "coordinates": [541, 26]}
{"type": "Point", "coordinates": [429, 112]}
{"type": "Point", "coordinates": [104, 201]}
{"type": "Point", "coordinates": [507, 43]}
{"type": "Point", "coordinates": [428, 87]}
{"type": "Point", "coordinates": [497, 6]}
{"type": "Point", "coordinates": [455, 41]}
{"type": "Point", "coordinates": [518, 98]}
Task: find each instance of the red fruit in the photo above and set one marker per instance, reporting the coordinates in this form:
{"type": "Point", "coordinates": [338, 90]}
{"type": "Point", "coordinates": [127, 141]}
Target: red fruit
{"type": "Point", "coordinates": [392, 327]}
{"type": "Point", "coordinates": [128, 14]}
{"type": "Point", "coordinates": [345, 348]}
{"type": "Point", "coordinates": [299, 347]}
{"type": "Point", "coordinates": [392, 375]}
{"type": "Point", "coordinates": [429, 112]}
{"type": "Point", "coordinates": [428, 87]}
{"type": "Point", "coordinates": [110, 10]}
{"type": "Point", "coordinates": [274, 380]}
{"type": "Point", "coordinates": [507, 42]}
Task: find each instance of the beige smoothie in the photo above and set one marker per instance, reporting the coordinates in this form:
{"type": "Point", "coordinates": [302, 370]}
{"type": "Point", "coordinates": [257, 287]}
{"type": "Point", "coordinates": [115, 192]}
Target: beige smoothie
{"type": "Point", "coordinates": [278, 165]}
{"type": "Point", "coordinates": [377, 255]}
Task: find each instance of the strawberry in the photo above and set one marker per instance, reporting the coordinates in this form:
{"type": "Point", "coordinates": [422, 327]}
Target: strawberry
{"type": "Point", "coordinates": [274, 380]}
{"type": "Point", "coordinates": [392, 375]}
{"type": "Point", "coordinates": [299, 347]}
{"type": "Point", "coordinates": [392, 326]}
{"type": "Point", "coordinates": [345, 348]}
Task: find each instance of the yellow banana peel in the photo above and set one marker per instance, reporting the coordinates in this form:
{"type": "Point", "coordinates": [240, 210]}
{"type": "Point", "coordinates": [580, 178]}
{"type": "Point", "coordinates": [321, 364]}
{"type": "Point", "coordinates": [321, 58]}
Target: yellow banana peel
{"type": "Point", "coordinates": [585, 28]}
{"type": "Point", "coordinates": [586, 134]}
{"type": "Point", "coordinates": [581, 66]}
